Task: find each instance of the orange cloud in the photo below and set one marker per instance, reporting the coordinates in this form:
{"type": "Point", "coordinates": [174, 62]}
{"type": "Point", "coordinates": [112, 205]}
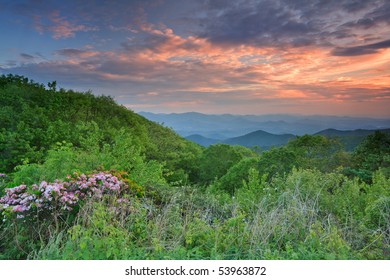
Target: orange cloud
{"type": "Point", "coordinates": [175, 71]}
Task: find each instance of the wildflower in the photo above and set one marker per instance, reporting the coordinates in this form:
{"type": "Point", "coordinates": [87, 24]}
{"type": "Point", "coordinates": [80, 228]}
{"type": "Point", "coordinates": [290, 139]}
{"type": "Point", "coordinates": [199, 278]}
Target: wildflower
{"type": "Point", "coordinates": [18, 208]}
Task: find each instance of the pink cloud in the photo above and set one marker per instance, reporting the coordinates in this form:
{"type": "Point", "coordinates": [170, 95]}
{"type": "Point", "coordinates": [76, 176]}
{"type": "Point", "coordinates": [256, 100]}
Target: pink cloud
{"type": "Point", "coordinates": [59, 26]}
{"type": "Point", "coordinates": [62, 28]}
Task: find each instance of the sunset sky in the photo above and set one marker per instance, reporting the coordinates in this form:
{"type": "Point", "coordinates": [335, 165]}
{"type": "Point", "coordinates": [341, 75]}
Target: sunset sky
{"type": "Point", "coordinates": [212, 56]}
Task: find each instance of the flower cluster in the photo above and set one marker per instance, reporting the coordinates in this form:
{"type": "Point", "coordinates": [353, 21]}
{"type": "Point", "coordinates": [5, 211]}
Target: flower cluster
{"type": "Point", "coordinates": [59, 195]}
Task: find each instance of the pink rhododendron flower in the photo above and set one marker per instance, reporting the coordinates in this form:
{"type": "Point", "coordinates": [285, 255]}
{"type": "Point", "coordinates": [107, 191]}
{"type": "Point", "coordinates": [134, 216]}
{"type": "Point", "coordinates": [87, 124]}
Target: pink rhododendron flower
{"type": "Point", "coordinates": [63, 195]}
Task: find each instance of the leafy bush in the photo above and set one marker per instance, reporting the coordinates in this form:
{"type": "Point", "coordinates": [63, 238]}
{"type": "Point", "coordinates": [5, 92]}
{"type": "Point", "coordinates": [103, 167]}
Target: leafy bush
{"type": "Point", "coordinates": [53, 204]}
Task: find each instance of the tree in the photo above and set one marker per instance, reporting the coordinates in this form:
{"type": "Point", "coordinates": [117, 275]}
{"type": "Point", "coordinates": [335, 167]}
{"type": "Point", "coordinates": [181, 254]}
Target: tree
{"type": "Point", "coordinates": [216, 161]}
{"type": "Point", "coordinates": [317, 151]}
{"type": "Point", "coordinates": [372, 154]}
{"type": "Point", "coordinates": [237, 174]}
{"type": "Point", "coordinates": [52, 86]}
{"type": "Point", "coordinates": [277, 161]}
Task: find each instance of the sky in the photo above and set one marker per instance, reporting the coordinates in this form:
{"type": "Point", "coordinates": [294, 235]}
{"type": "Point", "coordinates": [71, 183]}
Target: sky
{"type": "Point", "coordinates": [322, 57]}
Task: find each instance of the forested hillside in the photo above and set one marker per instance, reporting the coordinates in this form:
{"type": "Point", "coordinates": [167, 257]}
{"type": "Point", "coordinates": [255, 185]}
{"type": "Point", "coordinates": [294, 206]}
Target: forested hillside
{"type": "Point", "coordinates": [35, 120]}
{"type": "Point", "coordinates": [82, 177]}
{"type": "Point", "coordinates": [350, 138]}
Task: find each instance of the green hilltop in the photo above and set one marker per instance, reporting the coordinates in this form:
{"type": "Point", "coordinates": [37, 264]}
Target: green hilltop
{"type": "Point", "coordinates": [35, 119]}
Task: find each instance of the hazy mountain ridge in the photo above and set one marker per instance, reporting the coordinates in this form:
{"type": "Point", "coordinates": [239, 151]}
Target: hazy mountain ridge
{"type": "Point", "coordinates": [265, 131]}
{"type": "Point", "coordinates": [261, 139]}
{"type": "Point", "coordinates": [221, 127]}
{"type": "Point", "coordinates": [264, 140]}
{"type": "Point", "coordinates": [201, 140]}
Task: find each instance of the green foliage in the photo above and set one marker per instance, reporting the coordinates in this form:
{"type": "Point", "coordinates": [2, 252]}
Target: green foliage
{"type": "Point", "coordinates": [235, 176]}
{"type": "Point", "coordinates": [253, 191]}
{"type": "Point", "coordinates": [308, 151]}
{"type": "Point", "coordinates": [99, 237]}
{"type": "Point", "coordinates": [277, 161]}
{"type": "Point", "coordinates": [307, 215]}
{"type": "Point", "coordinates": [217, 159]}
{"type": "Point", "coordinates": [373, 153]}
{"type": "Point", "coordinates": [309, 199]}
{"type": "Point", "coordinates": [35, 119]}
{"type": "Point", "coordinates": [316, 151]}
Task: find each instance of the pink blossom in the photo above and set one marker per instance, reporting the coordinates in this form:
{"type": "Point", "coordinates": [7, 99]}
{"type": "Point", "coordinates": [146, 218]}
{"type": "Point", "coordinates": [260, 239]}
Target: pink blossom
{"type": "Point", "coordinates": [61, 195]}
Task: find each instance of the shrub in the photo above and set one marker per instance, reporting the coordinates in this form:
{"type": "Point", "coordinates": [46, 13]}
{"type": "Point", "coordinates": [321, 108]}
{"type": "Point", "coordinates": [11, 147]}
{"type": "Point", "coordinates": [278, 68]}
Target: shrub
{"type": "Point", "coordinates": [31, 215]}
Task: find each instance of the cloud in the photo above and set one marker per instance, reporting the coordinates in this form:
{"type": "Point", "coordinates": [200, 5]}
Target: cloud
{"type": "Point", "coordinates": [361, 50]}
{"type": "Point", "coordinates": [243, 55]}
{"type": "Point", "coordinates": [62, 28]}
{"type": "Point", "coordinates": [25, 56]}
{"type": "Point", "coordinates": [165, 62]}
{"type": "Point", "coordinates": [263, 24]}
{"type": "Point", "coordinates": [283, 23]}
{"type": "Point", "coordinates": [49, 16]}
{"type": "Point", "coordinates": [76, 53]}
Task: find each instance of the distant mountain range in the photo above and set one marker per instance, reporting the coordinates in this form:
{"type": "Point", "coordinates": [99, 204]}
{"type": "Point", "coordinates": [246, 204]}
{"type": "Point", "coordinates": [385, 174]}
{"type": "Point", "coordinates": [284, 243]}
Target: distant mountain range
{"type": "Point", "coordinates": [264, 140]}
{"type": "Point", "coordinates": [268, 130]}
{"type": "Point", "coordinates": [259, 138]}
{"type": "Point", "coordinates": [221, 127]}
